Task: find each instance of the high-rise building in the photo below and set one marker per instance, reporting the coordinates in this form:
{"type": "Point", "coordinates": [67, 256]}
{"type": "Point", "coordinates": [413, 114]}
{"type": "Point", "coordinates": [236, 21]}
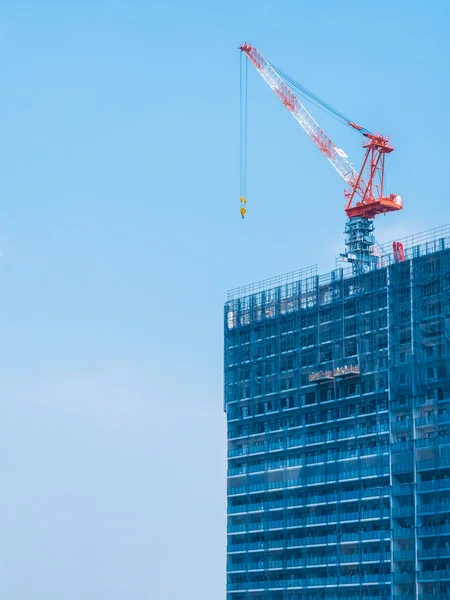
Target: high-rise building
{"type": "Point", "coordinates": [337, 396]}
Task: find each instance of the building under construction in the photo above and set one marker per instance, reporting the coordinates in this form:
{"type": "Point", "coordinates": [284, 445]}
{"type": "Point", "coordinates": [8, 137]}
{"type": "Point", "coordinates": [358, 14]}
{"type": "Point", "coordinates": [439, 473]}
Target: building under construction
{"type": "Point", "coordinates": [337, 396]}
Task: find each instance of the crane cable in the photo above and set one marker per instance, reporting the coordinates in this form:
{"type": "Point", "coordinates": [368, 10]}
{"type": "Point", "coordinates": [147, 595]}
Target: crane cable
{"type": "Point", "coordinates": [308, 95]}
{"type": "Point", "coordinates": [243, 134]}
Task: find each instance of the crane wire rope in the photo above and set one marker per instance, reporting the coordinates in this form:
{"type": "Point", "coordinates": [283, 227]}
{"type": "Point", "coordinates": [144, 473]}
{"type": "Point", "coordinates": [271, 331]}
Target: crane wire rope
{"type": "Point", "coordinates": [243, 134]}
{"type": "Point", "coordinates": [316, 100]}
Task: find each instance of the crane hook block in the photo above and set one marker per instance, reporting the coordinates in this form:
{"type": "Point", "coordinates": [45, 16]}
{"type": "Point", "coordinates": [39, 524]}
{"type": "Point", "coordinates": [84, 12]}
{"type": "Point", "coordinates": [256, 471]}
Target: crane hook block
{"type": "Point", "coordinates": [243, 210]}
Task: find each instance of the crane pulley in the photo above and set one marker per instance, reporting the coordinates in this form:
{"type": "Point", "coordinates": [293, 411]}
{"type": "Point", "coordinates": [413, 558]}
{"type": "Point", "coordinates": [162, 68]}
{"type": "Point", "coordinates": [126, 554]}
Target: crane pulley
{"type": "Point", "coordinates": [365, 196]}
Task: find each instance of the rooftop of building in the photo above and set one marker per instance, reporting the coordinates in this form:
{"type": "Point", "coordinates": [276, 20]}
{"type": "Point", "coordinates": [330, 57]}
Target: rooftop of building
{"type": "Point", "coordinates": [419, 244]}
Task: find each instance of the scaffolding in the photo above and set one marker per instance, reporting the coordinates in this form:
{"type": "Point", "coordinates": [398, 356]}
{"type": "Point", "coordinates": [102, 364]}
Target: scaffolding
{"type": "Point", "coordinates": [337, 395]}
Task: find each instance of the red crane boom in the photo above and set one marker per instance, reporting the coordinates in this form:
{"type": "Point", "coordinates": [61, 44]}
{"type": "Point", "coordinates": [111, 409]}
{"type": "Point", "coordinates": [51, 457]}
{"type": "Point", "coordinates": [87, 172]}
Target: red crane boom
{"type": "Point", "coordinates": [366, 197]}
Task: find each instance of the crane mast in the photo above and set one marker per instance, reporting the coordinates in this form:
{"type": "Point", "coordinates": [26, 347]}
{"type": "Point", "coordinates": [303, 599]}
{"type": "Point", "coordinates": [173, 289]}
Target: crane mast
{"type": "Point", "coordinates": [365, 196]}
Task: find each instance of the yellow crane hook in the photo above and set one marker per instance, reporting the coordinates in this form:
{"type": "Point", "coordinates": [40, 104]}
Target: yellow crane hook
{"type": "Point", "coordinates": [243, 210]}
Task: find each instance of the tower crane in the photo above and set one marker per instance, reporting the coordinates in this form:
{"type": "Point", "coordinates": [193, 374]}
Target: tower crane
{"type": "Point", "coordinates": [365, 197]}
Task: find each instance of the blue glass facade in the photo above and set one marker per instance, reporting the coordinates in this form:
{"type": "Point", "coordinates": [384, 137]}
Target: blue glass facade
{"type": "Point", "coordinates": [337, 396]}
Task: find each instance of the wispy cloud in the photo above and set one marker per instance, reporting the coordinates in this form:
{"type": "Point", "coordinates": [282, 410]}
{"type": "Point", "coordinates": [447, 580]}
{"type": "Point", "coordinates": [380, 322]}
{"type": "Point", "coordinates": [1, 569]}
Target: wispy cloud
{"type": "Point", "coordinates": [119, 401]}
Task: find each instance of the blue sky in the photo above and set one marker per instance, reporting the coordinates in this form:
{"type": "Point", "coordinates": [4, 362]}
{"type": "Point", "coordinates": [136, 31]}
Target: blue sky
{"type": "Point", "coordinates": [120, 234]}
